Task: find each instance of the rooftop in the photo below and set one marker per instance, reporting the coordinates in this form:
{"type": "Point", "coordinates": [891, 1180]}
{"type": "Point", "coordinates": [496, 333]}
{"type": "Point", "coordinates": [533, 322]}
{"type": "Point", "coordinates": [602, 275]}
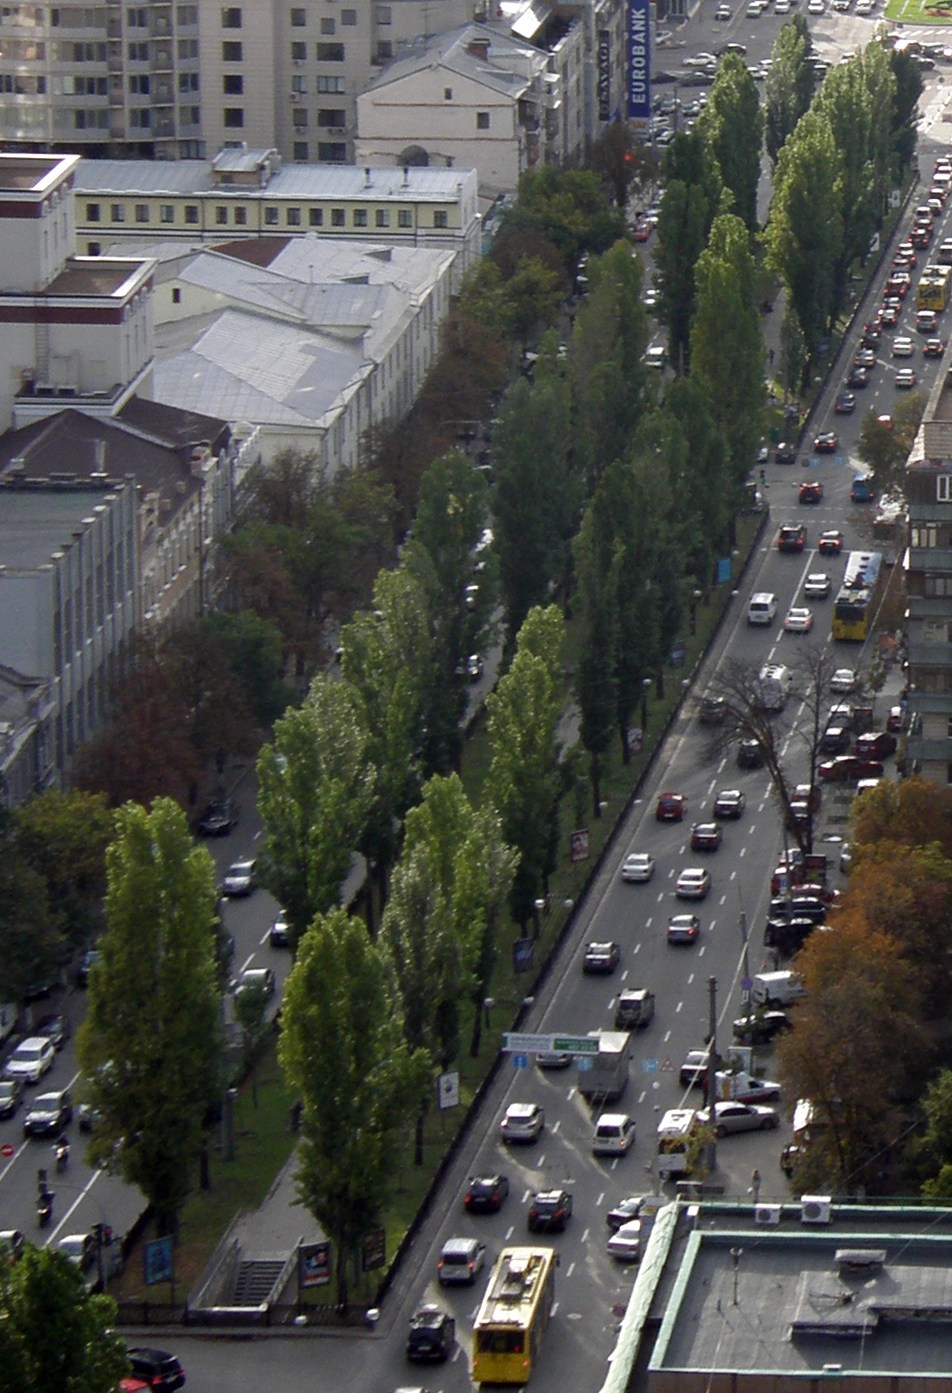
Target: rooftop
{"type": "Point", "coordinates": [97, 276]}
{"type": "Point", "coordinates": [34, 524]}
{"type": "Point", "coordinates": [22, 173]}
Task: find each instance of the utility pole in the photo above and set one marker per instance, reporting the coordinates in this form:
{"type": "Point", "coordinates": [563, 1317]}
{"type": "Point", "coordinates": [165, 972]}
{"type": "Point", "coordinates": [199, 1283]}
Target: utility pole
{"type": "Point", "coordinates": [711, 1089]}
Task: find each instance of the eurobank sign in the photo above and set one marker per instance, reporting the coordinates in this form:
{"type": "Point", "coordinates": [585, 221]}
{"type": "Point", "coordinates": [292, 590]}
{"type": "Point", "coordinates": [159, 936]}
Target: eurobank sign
{"type": "Point", "coordinates": [639, 60]}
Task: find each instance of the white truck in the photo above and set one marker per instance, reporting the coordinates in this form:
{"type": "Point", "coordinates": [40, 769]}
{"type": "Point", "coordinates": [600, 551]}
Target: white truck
{"type": "Point", "coordinates": [776, 989]}
{"type": "Point", "coordinates": [603, 1077]}
{"type": "Point", "coordinates": [743, 1087]}
{"type": "Point", "coordinates": [679, 1139]}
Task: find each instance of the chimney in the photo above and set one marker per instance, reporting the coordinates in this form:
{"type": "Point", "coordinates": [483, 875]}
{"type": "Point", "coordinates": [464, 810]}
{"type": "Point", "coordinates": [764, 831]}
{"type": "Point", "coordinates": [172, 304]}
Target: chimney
{"type": "Point", "coordinates": [479, 48]}
{"type": "Point", "coordinates": [100, 456]}
{"type": "Point", "coordinates": [367, 179]}
{"type": "Point", "coordinates": [406, 175]}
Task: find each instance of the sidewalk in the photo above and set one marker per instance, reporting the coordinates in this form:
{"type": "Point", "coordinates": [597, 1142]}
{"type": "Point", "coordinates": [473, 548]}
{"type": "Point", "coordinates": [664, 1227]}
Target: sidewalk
{"type": "Point", "coordinates": [280, 1223]}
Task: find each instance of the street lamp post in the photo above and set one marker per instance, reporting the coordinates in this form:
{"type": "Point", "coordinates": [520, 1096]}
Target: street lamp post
{"type": "Point", "coordinates": [645, 688]}
{"type": "Point", "coordinates": [695, 597]}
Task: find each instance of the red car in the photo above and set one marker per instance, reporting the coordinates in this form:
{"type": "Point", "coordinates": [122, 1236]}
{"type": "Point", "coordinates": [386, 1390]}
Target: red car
{"type": "Point", "coordinates": [671, 807]}
{"type": "Point", "coordinates": [811, 491]}
{"type": "Point", "coordinates": [876, 744]}
{"type": "Point", "coordinates": [643, 231]}
{"type": "Point", "coordinates": [894, 719]}
{"type": "Point", "coordinates": [848, 768]}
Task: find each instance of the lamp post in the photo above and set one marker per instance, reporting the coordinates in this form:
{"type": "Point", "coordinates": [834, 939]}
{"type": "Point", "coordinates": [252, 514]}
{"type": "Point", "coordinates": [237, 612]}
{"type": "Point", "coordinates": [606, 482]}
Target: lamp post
{"type": "Point", "coordinates": [695, 597]}
{"type": "Point", "coordinates": [645, 688]}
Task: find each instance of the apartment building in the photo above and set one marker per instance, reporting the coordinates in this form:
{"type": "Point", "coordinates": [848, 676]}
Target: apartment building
{"type": "Point", "coordinates": [928, 488]}
{"type": "Point", "coordinates": [163, 80]}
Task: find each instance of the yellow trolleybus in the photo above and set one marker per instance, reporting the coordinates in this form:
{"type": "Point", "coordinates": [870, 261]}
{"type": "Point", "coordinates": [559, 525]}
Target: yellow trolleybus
{"type": "Point", "coordinates": [854, 609]}
{"type": "Point", "coordinates": [513, 1315]}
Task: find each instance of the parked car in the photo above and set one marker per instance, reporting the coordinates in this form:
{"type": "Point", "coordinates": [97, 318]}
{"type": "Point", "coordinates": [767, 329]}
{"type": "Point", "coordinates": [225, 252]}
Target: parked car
{"type": "Point", "coordinates": [11, 1094]}
{"type": "Point", "coordinates": [48, 1114]}
{"type": "Point", "coordinates": [88, 961]}
{"type": "Point", "coordinates": [432, 1334]}
{"type": "Point", "coordinates": [486, 1194]}
{"type": "Point", "coordinates": [843, 680]}
{"type": "Point", "coordinates": [56, 1028]}
{"type": "Point", "coordinates": [162, 1371]}
{"type": "Point", "coordinates": [730, 803]}
{"type": "Point", "coordinates": [549, 1211]}
{"type": "Point", "coordinates": [219, 818]}
{"type": "Point", "coordinates": [625, 1242]}
{"type": "Point", "coordinates": [849, 767]}
{"type": "Point", "coordinates": [601, 958]}
{"type": "Point", "coordinates": [705, 836]}
{"type": "Point", "coordinates": [730, 1117]}
{"type": "Point", "coordinates": [693, 1070]}
{"type": "Point", "coordinates": [638, 867]}
{"type": "Point", "coordinates": [81, 1249]}
{"type": "Point", "coordinates": [31, 1059]}
{"type": "Point", "coordinates": [760, 1027]}
{"type": "Point", "coordinates": [876, 744]}
{"type": "Point", "coordinates": [279, 935]}
{"type": "Point", "coordinates": [522, 1122]}
{"type": "Point", "coordinates": [261, 977]}
{"type": "Point", "coordinates": [12, 1246]}
{"type": "Point", "coordinates": [894, 719]}
{"type": "Point", "coordinates": [624, 1212]}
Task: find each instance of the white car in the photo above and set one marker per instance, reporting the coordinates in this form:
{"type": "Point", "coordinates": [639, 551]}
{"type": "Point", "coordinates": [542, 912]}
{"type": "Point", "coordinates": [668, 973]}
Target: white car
{"type": "Point", "coordinates": [798, 621]}
{"type": "Point", "coordinates": [693, 884]}
{"type": "Point", "coordinates": [31, 1059]}
{"type": "Point", "coordinates": [817, 585]}
{"type": "Point", "coordinates": [843, 680]}
{"type": "Point", "coordinates": [903, 348]}
{"type": "Point", "coordinates": [782, 7]}
{"type": "Point", "coordinates": [522, 1122]}
{"type": "Point", "coordinates": [815, 7]}
{"type": "Point", "coordinates": [638, 867]}
{"type": "Point", "coordinates": [740, 1117]}
{"type": "Point", "coordinates": [905, 378]}
{"type": "Point", "coordinates": [625, 1242]}
{"type": "Point", "coordinates": [864, 7]}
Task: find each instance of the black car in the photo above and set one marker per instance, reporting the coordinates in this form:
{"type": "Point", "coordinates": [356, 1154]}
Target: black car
{"type": "Point", "coordinates": [845, 404]}
{"type": "Point", "coordinates": [835, 741]}
{"type": "Point", "coordinates": [787, 936]}
{"type": "Point", "coordinates": [750, 755]}
{"type": "Point", "coordinates": [89, 960]}
{"type": "Point", "coordinates": [760, 1027]}
{"type": "Point", "coordinates": [219, 819]}
{"type": "Point", "coordinates": [57, 1030]}
{"type": "Point", "coordinates": [624, 1212]}
{"type": "Point", "coordinates": [549, 1211]}
{"type": "Point", "coordinates": [160, 1370]}
{"type": "Point", "coordinates": [49, 1113]}
{"type": "Point", "coordinates": [705, 836]}
{"type": "Point", "coordinates": [601, 958]}
{"type": "Point", "coordinates": [432, 1334]}
{"type": "Point", "coordinates": [798, 907]}
{"type": "Point", "coordinates": [485, 1194]}
{"type": "Point", "coordinates": [730, 803]}
{"type": "Point", "coordinates": [11, 1092]}
{"type": "Point", "coordinates": [785, 453]}
{"type": "Point", "coordinates": [792, 537]}
{"type": "Point", "coordinates": [713, 711]}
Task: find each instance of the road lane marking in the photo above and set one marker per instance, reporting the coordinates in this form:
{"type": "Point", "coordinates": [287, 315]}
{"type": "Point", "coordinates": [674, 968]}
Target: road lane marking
{"type": "Point", "coordinates": [571, 1093]}
{"type": "Point", "coordinates": [700, 951]}
{"type": "Point", "coordinates": [509, 1233]}
{"type": "Point", "coordinates": [555, 1307]}
{"type": "Point", "coordinates": [587, 1231]}
{"type": "Point", "coordinates": [598, 1203]}
{"type": "Point", "coordinates": [648, 921]}
{"type": "Point", "coordinates": [752, 828]}
{"type": "Point", "coordinates": [246, 964]}
{"type": "Point", "coordinates": [641, 1098]}
{"type": "Point", "coordinates": [713, 923]}
{"type": "Point", "coordinates": [667, 1037]}
{"type": "Point", "coordinates": [711, 786]}
{"type": "Point", "coordinates": [556, 1125]}
{"type": "Point", "coordinates": [678, 1007]}
{"type": "Point", "coordinates": [721, 765]}
{"type": "Point", "coordinates": [742, 852]}
{"type": "Point", "coordinates": [526, 1196]}
{"type": "Point", "coordinates": [624, 975]}
{"type": "Point", "coordinates": [73, 1207]}
{"type": "Point", "coordinates": [724, 897]}
{"type": "Point", "coordinates": [570, 1269]}
{"type": "Point", "coordinates": [690, 978]}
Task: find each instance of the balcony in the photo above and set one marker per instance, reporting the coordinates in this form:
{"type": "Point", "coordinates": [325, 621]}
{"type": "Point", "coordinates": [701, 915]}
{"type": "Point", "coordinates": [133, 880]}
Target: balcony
{"type": "Point", "coordinates": [929, 751]}
{"type": "Point", "coordinates": [928, 655]}
{"type": "Point", "coordinates": [930, 558]}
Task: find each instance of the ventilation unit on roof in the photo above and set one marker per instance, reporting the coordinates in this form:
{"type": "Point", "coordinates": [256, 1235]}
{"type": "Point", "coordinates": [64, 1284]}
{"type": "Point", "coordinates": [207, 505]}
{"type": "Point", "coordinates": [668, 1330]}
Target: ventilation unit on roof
{"type": "Point", "coordinates": [859, 1259]}
{"type": "Point", "coordinates": [815, 1209]}
{"type": "Point", "coordinates": [767, 1214]}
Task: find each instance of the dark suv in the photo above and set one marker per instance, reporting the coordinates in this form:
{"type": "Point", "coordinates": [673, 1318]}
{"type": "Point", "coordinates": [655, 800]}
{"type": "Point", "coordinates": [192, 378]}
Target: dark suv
{"type": "Point", "coordinates": [792, 537]}
{"type": "Point", "coordinates": [160, 1370]}
{"type": "Point", "coordinates": [432, 1334]}
{"type": "Point", "coordinates": [550, 1210]}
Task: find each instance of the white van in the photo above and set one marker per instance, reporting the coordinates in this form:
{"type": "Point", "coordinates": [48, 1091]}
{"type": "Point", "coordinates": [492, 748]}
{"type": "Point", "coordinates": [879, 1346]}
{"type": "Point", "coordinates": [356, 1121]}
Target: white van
{"type": "Point", "coordinates": [775, 682]}
{"type": "Point", "coordinates": [762, 608]}
{"type": "Point", "coordinates": [776, 989]}
{"type": "Point", "coordinates": [614, 1134]}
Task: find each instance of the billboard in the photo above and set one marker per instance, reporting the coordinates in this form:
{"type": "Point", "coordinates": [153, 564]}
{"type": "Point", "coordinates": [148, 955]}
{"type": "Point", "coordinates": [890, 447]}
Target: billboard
{"type": "Point", "coordinates": [639, 60]}
{"type": "Point", "coordinates": [604, 74]}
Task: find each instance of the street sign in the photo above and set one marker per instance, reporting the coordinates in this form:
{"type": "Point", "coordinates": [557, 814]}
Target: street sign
{"type": "Point", "coordinates": [575, 1044]}
{"type": "Point", "coordinates": [584, 1063]}
{"type": "Point", "coordinates": [7, 1149]}
{"type": "Point", "coordinates": [448, 1089]}
{"type": "Point", "coordinates": [523, 953]}
{"type": "Point", "coordinates": [375, 1250]}
{"type": "Point", "coordinates": [668, 1066]}
{"type": "Point", "coordinates": [649, 1066]}
{"type": "Point", "coordinates": [578, 845]}
{"type": "Point", "coordinates": [520, 1061]}
{"type": "Point", "coordinates": [516, 1042]}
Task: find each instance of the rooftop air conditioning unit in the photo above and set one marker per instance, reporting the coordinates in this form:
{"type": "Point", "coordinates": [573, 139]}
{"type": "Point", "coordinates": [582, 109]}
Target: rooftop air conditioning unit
{"type": "Point", "coordinates": [767, 1214]}
{"type": "Point", "coordinates": [816, 1209]}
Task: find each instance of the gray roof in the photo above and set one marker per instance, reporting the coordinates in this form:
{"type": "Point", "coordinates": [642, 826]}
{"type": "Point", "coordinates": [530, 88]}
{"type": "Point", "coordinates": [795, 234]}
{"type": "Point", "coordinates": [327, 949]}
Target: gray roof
{"type": "Point", "coordinates": [34, 525]}
{"type": "Point", "coordinates": [450, 51]}
{"type": "Point", "coordinates": [346, 182]}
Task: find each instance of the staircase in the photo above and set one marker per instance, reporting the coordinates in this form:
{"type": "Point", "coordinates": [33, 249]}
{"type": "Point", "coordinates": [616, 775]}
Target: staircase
{"type": "Point", "coordinates": [255, 1281]}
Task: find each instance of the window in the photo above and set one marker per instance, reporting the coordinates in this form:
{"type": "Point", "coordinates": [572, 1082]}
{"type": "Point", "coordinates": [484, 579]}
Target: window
{"type": "Point", "coordinates": [139, 83]}
{"type": "Point", "coordinates": [166, 212]}
{"type": "Point", "coordinates": [117, 212]}
{"type": "Point", "coordinates": [140, 117]}
{"type": "Point", "coordinates": [241, 217]}
{"type": "Point", "coordinates": [360, 217]}
{"type": "Point", "coordinates": [292, 217]}
{"type": "Point", "coordinates": [187, 48]}
{"type": "Point", "coordinates": [938, 585]}
{"type": "Point", "coordinates": [331, 116]}
{"type": "Point", "coordinates": [384, 49]}
{"type": "Point", "coordinates": [925, 536]}
{"type": "Point", "coordinates": [233, 84]}
{"type": "Point", "coordinates": [231, 17]}
{"type": "Point", "coordinates": [271, 217]}
{"type": "Point", "coordinates": [298, 83]}
{"type": "Point", "coordinates": [330, 53]}
{"type": "Point", "coordinates": [142, 212]}
{"type": "Point", "coordinates": [221, 216]}
{"type": "Point", "coordinates": [330, 84]}
{"type": "Point", "coordinates": [299, 118]}
{"type": "Point", "coordinates": [383, 14]}
{"type": "Point", "coordinates": [382, 218]}
{"type": "Point", "coordinates": [441, 218]}
{"type": "Point", "coordinates": [943, 488]}
{"type": "Point", "coordinates": [447, 94]}
{"type": "Point", "coordinates": [191, 214]}
{"type": "Point", "coordinates": [137, 19]}
{"type": "Point", "coordinates": [338, 217]}
{"type": "Point", "coordinates": [92, 248]}
{"type": "Point", "coordinates": [189, 116]}
{"type": "Point", "coordinates": [403, 218]}
{"type": "Point", "coordinates": [92, 212]}
{"type": "Point", "coordinates": [138, 53]}
{"type": "Point", "coordinates": [482, 120]}
{"type": "Point", "coordinates": [176, 295]}
{"type": "Point", "coordinates": [298, 19]}
{"type": "Point", "coordinates": [234, 117]}
{"type": "Point", "coordinates": [188, 82]}
{"type": "Point", "coordinates": [315, 217]}
{"type": "Point", "coordinates": [231, 52]}
{"type": "Point", "coordinates": [348, 17]}
{"type": "Point", "coordinates": [298, 52]}
{"type": "Point", "coordinates": [300, 151]}
{"type": "Point", "coordinates": [328, 26]}
{"type": "Point", "coordinates": [332, 152]}
{"type": "Point", "coordinates": [186, 14]}
{"type": "Point", "coordinates": [935, 631]}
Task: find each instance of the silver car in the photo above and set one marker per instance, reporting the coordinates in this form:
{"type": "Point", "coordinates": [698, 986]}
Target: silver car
{"type": "Point", "coordinates": [522, 1122]}
{"type": "Point", "coordinates": [731, 1116]}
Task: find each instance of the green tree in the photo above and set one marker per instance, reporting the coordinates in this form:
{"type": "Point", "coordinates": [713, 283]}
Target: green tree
{"type": "Point", "coordinates": [565, 208]}
{"type": "Point", "coordinates": [605, 362]}
{"type": "Point", "coordinates": [251, 1013]}
{"type": "Point", "coordinates": [702, 497]}
{"type": "Point", "coordinates": [693, 196]}
{"type": "Point", "coordinates": [885, 445]}
{"type": "Point", "coordinates": [733, 124]}
{"type": "Point", "coordinates": [535, 491]}
{"type": "Point", "coordinates": [32, 945]}
{"type": "Point", "coordinates": [623, 160]}
{"type": "Point", "coordinates": [530, 296]}
{"type": "Point", "coordinates": [909, 88]}
{"type": "Point", "coordinates": [150, 1046]}
{"type": "Point", "coordinates": [933, 1148]}
{"type": "Point", "coordinates": [793, 353]}
{"type": "Point", "coordinates": [789, 84]}
{"type": "Point", "coordinates": [63, 836]}
{"type": "Point", "coordinates": [727, 342]}
{"type": "Point", "coordinates": [598, 557]}
{"type": "Point", "coordinates": [53, 1332]}
{"type": "Point", "coordinates": [252, 646]}
{"type": "Point", "coordinates": [450, 521]}
{"type": "Point", "coordinates": [315, 786]}
{"type": "Point", "coordinates": [340, 1048]}
{"type": "Point", "coordinates": [804, 232]}
{"type": "Point", "coordinates": [525, 781]}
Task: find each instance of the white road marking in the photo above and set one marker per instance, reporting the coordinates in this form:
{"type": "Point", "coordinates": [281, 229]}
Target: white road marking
{"type": "Point", "coordinates": [648, 921]}
{"type": "Point", "coordinates": [690, 978]}
{"type": "Point", "coordinates": [713, 923]}
{"type": "Point", "coordinates": [586, 1233]}
{"type": "Point", "coordinates": [752, 828]}
{"type": "Point", "coordinates": [73, 1207]}
{"type": "Point", "coordinates": [556, 1125]}
{"type": "Point", "coordinates": [671, 872]}
{"type": "Point", "coordinates": [721, 765]}
{"type": "Point", "coordinates": [710, 787]}
{"type": "Point", "coordinates": [641, 1098]}
{"type": "Point", "coordinates": [571, 1093]}
{"type": "Point", "coordinates": [667, 1036]}
{"type": "Point", "coordinates": [724, 897]}
{"type": "Point", "coordinates": [599, 1202]}
{"type": "Point", "coordinates": [555, 1307]}
{"type": "Point", "coordinates": [624, 975]}
{"type": "Point", "coordinates": [509, 1233]}
{"type": "Point", "coordinates": [637, 947]}
{"type": "Point", "coordinates": [742, 852]}
{"type": "Point", "coordinates": [247, 963]}
{"type": "Point", "coordinates": [678, 1007]}
{"type": "Point", "coordinates": [614, 1164]}
{"type": "Point", "coordinates": [526, 1196]}
{"type": "Point", "coordinates": [700, 951]}
{"type": "Point", "coordinates": [661, 896]}
{"type": "Point", "coordinates": [570, 1269]}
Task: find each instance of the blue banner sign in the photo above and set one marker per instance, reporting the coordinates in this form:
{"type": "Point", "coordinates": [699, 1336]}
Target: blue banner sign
{"type": "Point", "coordinates": [639, 60]}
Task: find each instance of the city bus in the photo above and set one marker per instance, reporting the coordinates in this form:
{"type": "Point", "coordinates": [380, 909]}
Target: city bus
{"type": "Point", "coordinates": [513, 1315]}
{"type": "Point", "coordinates": [854, 609]}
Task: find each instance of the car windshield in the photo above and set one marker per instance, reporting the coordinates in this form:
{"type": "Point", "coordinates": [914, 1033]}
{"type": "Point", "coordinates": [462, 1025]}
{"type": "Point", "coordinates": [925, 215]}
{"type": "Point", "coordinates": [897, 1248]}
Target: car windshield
{"type": "Point", "coordinates": [28, 1052]}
